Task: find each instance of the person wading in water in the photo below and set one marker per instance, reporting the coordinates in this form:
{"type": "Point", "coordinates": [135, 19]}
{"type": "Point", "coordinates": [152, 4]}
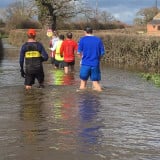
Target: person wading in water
{"type": "Point", "coordinates": [33, 53]}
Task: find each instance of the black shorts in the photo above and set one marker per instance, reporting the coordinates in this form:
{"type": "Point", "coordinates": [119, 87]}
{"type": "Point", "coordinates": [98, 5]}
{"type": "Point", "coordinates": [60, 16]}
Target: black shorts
{"type": "Point", "coordinates": [66, 64]}
{"type": "Point", "coordinates": [30, 77]}
{"type": "Point", "coordinates": [52, 60]}
{"type": "Point", "coordinates": [59, 64]}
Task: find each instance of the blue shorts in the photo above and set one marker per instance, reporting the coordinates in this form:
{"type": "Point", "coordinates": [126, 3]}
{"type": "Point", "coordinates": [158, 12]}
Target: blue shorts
{"type": "Point", "coordinates": [92, 72]}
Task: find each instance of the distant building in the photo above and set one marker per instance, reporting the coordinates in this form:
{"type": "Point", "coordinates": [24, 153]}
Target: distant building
{"type": "Point", "coordinates": [153, 27]}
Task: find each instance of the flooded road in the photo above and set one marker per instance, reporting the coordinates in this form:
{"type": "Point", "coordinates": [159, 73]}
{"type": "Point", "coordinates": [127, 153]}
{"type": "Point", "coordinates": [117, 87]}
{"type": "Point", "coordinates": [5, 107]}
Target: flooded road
{"type": "Point", "coordinates": [58, 123]}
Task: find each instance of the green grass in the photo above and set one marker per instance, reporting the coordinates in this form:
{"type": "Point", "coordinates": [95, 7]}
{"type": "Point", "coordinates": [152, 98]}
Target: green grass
{"type": "Point", "coordinates": [155, 78]}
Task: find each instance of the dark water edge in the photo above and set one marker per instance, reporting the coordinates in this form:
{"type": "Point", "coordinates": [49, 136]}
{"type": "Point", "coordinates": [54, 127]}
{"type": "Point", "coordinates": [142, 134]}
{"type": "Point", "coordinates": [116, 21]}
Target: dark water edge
{"type": "Point", "coordinates": [1, 50]}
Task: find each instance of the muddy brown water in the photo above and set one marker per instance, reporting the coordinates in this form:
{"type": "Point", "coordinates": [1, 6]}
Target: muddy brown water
{"type": "Point", "coordinates": [58, 123]}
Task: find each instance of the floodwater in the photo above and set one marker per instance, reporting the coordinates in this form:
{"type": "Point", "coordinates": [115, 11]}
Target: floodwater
{"type": "Point", "coordinates": [58, 123]}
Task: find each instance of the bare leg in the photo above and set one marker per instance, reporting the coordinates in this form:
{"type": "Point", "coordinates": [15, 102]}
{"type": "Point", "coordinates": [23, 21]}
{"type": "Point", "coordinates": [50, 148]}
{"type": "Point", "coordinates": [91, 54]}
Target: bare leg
{"type": "Point", "coordinates": [66, 70]}
{"type": "Point", "coordinates": [83, 84]}
{"type": "Point", "coordinates": [28, 87]}
{"type": "Point", "coordinates": [96, 86]}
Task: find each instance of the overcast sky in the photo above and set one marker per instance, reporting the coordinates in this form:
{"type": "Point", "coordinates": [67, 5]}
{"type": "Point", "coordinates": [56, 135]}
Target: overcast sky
{"type": "Point", "coordinates": [123, 10]}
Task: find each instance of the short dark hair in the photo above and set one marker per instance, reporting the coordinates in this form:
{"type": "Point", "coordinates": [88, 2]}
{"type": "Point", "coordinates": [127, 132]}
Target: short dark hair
{"type": "Point", "coordinates": [69, 35]}
{"type": "Point", "coordinates": [88, 29]}
{"type": "Point", "coordinates": [61, 37]}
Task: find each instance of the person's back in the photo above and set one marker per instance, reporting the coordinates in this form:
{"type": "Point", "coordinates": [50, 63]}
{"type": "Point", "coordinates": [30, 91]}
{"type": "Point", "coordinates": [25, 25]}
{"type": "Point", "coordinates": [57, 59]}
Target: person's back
{"type": "Point", "coordinates": [68, 49]}
{"type": "Point", "coordinates": [58, 46]}
{"type": "Point", "coordinates": [92, 48]}
{"type": "Point", "coordinates": [33, 56]}
{"type": "Point", "coordinates": [58, 58]}
{"type": "Point", "coordinates": [57, 53]}
{"type": "Point", "coordinates": [53, 42]}
{"type": "Point", "coordinates": [32, 53]}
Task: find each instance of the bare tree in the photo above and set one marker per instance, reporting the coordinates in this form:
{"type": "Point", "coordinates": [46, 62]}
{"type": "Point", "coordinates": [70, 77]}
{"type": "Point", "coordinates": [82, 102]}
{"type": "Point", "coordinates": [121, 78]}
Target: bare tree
{"type": "Point", "coordinates": [20, 8]}
{"type": "Point", "coordinates": [145, 15]}
{"type": "Point", "coordinates": [18, 12]}
{"type": "Point", "coordinates": [106, 17]}
{"type": "Point", "coordinates": [55, 10]}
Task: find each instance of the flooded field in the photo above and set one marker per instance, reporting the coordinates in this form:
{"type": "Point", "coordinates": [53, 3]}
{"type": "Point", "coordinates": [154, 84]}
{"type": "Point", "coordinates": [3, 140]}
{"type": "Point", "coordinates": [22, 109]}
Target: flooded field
{"type": "Point", "coordinates": [58, 123]}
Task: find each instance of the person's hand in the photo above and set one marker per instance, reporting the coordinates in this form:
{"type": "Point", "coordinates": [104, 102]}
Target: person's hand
{"type": "Point", "coordinates": [42, 59]}
{"type": "Point", "coordinates": [22, 73]}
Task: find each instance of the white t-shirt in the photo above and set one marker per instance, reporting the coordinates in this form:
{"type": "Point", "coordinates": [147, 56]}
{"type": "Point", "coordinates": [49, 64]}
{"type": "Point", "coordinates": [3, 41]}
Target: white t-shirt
{"type": "Point", "coordinates": [54, 43]}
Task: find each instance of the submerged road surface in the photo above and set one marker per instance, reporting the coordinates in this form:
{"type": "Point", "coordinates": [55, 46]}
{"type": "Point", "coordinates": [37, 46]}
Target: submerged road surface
{"type": "Point", "coordinates": [58, 123]}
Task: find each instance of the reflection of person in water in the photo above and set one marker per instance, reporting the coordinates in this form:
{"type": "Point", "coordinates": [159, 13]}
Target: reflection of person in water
{"type": "Point", "coordinates": [64, 117]}
{"type": "Point", "coordinates": [31, 115]}
{"type": "Point", "coordinates": [68, 79]}
{"type": "Point", "coordinates": [88, 110]}
{"type": "Point", "coordinates": [58, 77]}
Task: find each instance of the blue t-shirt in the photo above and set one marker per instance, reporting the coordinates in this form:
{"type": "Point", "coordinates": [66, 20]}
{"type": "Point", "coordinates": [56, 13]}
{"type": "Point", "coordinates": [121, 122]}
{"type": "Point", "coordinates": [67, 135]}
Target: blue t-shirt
{"type": "Point", "coordinates": [92, 48]}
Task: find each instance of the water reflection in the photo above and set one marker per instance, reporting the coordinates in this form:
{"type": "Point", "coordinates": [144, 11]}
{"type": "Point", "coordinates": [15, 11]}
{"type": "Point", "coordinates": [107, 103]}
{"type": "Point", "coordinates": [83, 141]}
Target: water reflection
{"type": "Point", "coordinates": [58, 120]}
{"type": "Point", "coordinates": [31, 115]}
{"type": "Point", "coordinates": [74, 124]}
{"type": "Point", "coordinates": [63, 119]}
{"type": "Point", "coordinates": [90, 122]}
{"type": "Point", "coordinates": [58, 77]}
{"type": "Point", "coordinates": [31, 106]}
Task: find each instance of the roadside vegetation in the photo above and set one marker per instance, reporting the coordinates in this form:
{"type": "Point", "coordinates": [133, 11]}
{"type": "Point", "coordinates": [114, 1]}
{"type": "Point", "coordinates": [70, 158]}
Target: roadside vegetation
{"type": "Point", "coordinates": [154, 78]}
